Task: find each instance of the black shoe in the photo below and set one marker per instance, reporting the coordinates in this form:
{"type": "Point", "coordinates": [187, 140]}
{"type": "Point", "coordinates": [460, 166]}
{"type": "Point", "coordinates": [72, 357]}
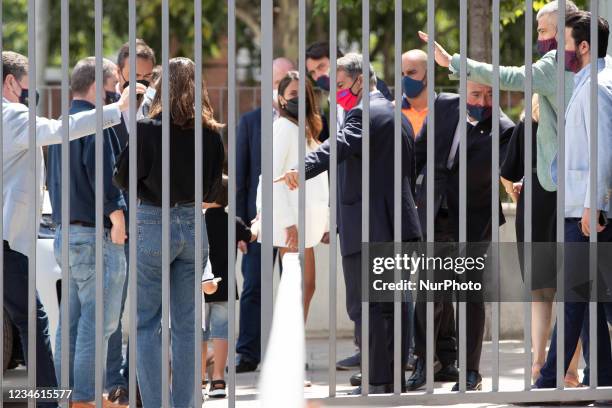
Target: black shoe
{"type": "Point", "coordinates": [119, 395]}
{"type": "Point", "coordinates": [473, 382]}
{"type": "Point", "coordinates": [244, 365]}
{"type": "Point", "coordinates": [350, 363]}
{"type": "Point", "coordinates": [374, 389]}
{"type": "Point", "coordinates": [356, 380]}
{"type": "Point", "coordinates": [418, 377]}
{"type": "Point", "coordinates": [447, 373]}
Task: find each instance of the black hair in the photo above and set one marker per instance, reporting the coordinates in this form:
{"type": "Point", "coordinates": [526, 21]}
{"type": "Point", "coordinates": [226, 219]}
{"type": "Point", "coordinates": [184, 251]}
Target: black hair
{"type": "Point", "coordinates": [580, 23]}
{"type": "Point", "coordinates": [320, 49]}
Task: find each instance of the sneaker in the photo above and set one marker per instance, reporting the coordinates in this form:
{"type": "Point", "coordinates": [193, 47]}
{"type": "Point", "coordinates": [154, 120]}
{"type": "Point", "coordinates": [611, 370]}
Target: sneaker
{"type": "Point", "coordinates": [350, 363]}
{"type": "Point", "coordinates": [119, 395]}
{"type": "Point", "coordinates": [217, 389]}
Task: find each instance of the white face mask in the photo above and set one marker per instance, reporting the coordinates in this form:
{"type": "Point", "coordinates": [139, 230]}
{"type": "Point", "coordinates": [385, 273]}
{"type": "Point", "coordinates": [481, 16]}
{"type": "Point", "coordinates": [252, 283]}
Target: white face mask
{"type": "Point", "coordinates": [275, 95]}
{"type": "Point", "coordinates": [150, 93]}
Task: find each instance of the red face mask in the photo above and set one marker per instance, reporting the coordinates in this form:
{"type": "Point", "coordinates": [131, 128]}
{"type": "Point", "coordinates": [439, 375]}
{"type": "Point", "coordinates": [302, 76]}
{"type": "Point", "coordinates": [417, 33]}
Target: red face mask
{"type": "Point", "coordinates": [346, 98]}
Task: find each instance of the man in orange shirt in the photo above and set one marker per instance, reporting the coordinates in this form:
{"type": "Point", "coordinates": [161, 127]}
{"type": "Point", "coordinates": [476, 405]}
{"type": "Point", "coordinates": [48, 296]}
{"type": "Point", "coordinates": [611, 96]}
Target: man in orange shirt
{"type": "Point", "coordinates": [414, 88]}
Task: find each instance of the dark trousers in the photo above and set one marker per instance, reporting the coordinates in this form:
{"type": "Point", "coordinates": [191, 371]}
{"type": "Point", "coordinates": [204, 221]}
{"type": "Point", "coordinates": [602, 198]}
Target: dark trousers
{"type": "Point", "coordinates": [381, 333]}
{"type": "Point", "coordinates": [445, 338]}
{"type": "Point", "coordinates": [248, 345]}
{"type": "Point", "coordinates": [444, 332]}
{"type": "Point", "coordinates": [576, 315]}
{"type": "Point", "coordinates": [16, 305]}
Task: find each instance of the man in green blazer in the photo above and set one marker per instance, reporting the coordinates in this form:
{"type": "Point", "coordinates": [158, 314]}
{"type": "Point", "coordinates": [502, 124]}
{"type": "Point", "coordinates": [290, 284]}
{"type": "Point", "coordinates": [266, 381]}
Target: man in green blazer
{"type": "Point", "coordinates": [513, 79]}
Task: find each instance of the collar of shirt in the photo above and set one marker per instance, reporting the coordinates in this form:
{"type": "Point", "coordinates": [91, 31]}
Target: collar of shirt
{"type": "Point", "coordinates": [82, 104]}
{"type": "Point", "coordinates": [584, 74]}
{"type": "Point", "coordinates": [372, 93]}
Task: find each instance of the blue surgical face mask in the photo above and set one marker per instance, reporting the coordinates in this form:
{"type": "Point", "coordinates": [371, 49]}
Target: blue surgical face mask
{"type": "Point", "coordinates": [412, 87]}
{"type": "Point", "coordinates": [479, 113]}
{"type": "Point", "coordinates": [323, 83]}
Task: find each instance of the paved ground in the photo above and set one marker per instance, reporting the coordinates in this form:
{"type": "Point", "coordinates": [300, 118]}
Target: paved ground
{"type": "Point", "coordinates": [511, 375]}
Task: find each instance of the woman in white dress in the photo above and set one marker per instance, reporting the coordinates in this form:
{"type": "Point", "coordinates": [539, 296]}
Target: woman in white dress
{"type": "Point", "coordinates": [285, 148]}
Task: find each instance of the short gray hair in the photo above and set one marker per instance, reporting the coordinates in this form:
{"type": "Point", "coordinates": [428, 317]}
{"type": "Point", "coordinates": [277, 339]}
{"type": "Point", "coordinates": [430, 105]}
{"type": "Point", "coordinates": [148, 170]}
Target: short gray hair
{"type": "Point", "coordinates": [352, 64]}
{"type": "Point", "coordinates": [553, 8]}
{"type": "Point", "coordinates": [84, 74]}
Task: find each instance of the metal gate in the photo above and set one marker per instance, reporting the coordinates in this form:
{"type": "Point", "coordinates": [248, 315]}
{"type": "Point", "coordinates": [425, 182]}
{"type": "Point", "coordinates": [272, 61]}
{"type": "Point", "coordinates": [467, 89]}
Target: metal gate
{"type": "Point", "coordinates": [495, 395]}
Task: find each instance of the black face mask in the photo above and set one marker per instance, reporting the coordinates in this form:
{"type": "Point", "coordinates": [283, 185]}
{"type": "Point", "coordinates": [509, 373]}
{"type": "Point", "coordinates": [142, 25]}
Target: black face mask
{"type": "Point", "coordinates": [112, 97]}
{"type": "Point", "coordinates": [24, 98]}
{"type": "Point", "coordinates": [292, 107]}
{"type": "Point", "coordinates": [140, 81]}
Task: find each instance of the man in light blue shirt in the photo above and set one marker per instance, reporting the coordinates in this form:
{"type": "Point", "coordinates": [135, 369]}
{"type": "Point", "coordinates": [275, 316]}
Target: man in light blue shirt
{"type": "Point", "coordinates": [578, 204]}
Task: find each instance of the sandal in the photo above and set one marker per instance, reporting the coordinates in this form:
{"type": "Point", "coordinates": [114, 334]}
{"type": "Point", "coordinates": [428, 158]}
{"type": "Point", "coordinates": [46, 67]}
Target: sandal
{"type": "Point", "coordinates": [217, 389]}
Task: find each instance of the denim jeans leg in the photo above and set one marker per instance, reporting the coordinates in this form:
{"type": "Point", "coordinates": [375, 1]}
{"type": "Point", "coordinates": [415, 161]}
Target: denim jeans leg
{"type": "Point", "coordinates": [82, 272]}
{"type": "Point", "coordinates": [149, 282]}
{"type": "Point", "coordinates": [114, 296]}
{"type": "Point", "coordinates": [182, 306]}
{"type": "Point", "coordinates": [115, 362]}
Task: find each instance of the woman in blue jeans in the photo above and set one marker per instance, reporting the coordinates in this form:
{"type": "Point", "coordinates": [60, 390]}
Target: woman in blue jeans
{"type": "Point", "coordinates": [182, 255]}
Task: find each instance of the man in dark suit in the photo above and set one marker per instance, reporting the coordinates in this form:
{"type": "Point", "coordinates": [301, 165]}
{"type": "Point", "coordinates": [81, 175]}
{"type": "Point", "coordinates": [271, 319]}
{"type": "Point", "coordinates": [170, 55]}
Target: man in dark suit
{"type": "Point", "coordinates": [248, 169]}
{"type": "Point", "coordinates": [446, 217]}
{"type": "Point", "coordinates": [349, 140]}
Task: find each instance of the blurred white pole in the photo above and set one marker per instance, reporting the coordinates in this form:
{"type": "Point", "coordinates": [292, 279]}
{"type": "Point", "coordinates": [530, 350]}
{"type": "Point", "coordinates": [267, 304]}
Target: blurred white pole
{"type": "Point", "coordinates": [285, 352]}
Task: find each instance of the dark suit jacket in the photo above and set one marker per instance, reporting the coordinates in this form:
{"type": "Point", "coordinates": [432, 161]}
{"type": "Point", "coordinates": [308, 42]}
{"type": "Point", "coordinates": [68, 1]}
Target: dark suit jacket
{"type": "Point", "coordinates": [478, 177]}
{"type": "Point", "coordinates": [248, 163]}
{"type": "Point", "coordinates": [349, 139]}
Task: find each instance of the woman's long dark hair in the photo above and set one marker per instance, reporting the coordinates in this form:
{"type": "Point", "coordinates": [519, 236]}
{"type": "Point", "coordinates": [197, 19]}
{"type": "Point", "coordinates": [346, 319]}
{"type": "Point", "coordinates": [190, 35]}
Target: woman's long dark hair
{"type": "Point", "coordinates": [314, 124]}
{"type": "Point", "coordinates": [181, 77]}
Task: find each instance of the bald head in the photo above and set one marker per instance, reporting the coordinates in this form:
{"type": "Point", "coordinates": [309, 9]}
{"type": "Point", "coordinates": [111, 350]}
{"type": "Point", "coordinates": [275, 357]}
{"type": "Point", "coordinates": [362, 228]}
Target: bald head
{"type": "Point", "coordinates": [414, 62]}
{"type": "Point", "coordinates": [280, 67]}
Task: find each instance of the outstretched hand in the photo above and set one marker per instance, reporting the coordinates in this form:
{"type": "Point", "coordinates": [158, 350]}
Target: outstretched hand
{"type": "Point", "coordinates": [291, 178]}
{"type": "Point", "coordinates": [442, 57]}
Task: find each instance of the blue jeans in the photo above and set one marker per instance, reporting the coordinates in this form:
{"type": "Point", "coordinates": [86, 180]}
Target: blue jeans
{"type": "Point", "coordinates": [82, 298]}
{"type": "Point", "coordinates": [117, 368]}
{"type": "Point", "coordinates": [577, 318]}
{"type": "Point", "coordinates": [183, 277]}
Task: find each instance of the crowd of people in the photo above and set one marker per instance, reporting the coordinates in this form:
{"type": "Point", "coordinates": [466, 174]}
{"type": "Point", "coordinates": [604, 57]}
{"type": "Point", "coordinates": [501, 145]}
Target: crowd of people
{"type": "Point", "coordinates": [350, 89]}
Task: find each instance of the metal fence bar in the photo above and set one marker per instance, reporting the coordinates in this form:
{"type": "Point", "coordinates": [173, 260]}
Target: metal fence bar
{"type": "Point", "coordinates": [365, 194]}
{"type": "Point", "coordinates": [65, 305]}
{"type": "Point", "coordinates": [495, 194]}
{"type": "Point", "coordinates": [452, 398]}
{"type": "Point", "coordinates": [528, 187]}
{"type": "Point", "coordinates": [198, 198]}
{"type": "Point", "coordinates": [165, 267]}
{"type": "Point", "coordinates": [302, 136]}
{"type": "Point", "coordinates": [431, 134]}
{"type": "Point", "coordinates": [231, 185]}
{"type": "Point", "coordinates": [2, 317]}
{"type": "Point", "coordinates": [100, 352]}
{"type": "Point", "coordinates": [267, 260]}
{"type": "Point", "coordinates": [462, 180]}
{"type": "Point", "coordinates": [593, 221]}
{"type": "Point", "coordinates": [397, 203]}
{"type": "Point", "coordinates": [333, 197]}
{"type": "Point", "coordinates": [132, 210]}
{"type": "Point", "coordinates": [560, 193]}
{"type": "Point", "coordinates": [33, 196]}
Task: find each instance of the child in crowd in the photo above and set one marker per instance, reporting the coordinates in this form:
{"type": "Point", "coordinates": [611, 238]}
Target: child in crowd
{"type": "Point", "coordinates": [215, 309]}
